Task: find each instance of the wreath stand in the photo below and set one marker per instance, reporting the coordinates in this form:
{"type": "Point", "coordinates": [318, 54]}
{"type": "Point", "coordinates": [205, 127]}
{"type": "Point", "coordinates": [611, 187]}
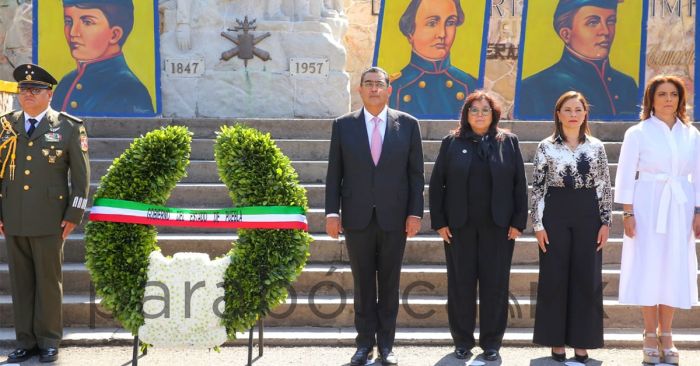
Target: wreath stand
{"type": "Point", "coordinates": [261, 327]}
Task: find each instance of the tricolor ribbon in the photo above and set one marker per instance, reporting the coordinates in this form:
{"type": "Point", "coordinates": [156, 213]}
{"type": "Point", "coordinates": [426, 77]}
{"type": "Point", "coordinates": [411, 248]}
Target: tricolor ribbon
{"type": "Point", "coordinates": [255, 217]}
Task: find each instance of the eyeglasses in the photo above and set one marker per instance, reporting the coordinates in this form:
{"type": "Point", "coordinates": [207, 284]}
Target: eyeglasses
{"type": "Point", "coordinates": [374, 84]}
{"type": "Point", "coordinates": [32, 91]}
{"type": "Point", "coordinates": [476, 111]}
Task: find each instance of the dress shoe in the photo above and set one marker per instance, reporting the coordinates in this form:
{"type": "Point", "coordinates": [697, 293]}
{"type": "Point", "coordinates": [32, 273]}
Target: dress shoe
{"type": "Point", "coordinates": [361, 355]}
{"type": "Point", "coordinates": [48, 355]}
{"type": "Point", "coordinates": [581, 358]}
{"type": "Point", "coordinates": [490, 355]}
{"type": "Point", "coordinates": [559, 357]}
{"type": "Point", "coordinates": [388, 357]}
{"type": "Point", "coordinates": [462, 353]}
{"type": "Point", "coordinates": [21, 355]}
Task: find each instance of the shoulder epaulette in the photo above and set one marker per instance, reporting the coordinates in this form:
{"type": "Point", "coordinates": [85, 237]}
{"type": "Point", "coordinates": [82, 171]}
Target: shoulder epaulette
{"type": "Point", "coordinates": [8, 113]}
{"type": "Point", "coordinates": [71, 117]}
{"type": "Point", "coordinates": [394, 76]}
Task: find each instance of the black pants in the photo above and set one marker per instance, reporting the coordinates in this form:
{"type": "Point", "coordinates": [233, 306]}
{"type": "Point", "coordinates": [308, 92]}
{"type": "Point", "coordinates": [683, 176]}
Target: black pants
{"type": "Point", "coordinates": [37, 289]}
{"type": "Point", "coordinates": [375, 259]}
{"type": "Point", "coordinates": [570, 290]}
{"type": "Point", "coordinates": [478, 253]}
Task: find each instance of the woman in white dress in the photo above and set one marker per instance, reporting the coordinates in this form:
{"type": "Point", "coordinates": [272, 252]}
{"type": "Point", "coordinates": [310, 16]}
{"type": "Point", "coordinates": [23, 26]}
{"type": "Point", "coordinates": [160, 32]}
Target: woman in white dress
{"type": "Point", "coordinates": [661, 214]}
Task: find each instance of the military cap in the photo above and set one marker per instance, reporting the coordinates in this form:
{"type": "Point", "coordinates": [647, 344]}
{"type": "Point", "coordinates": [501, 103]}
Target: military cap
{"type": "Point", "coordinates": [128, 3]}
{"type": "Point", "coordinates": [30, 75]}
{"type": "Point", "coordinates": [565, 6]}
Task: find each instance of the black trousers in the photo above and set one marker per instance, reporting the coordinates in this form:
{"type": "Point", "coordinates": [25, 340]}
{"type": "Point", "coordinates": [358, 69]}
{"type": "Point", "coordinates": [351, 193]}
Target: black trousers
{"type": "Point", "coordinates": [375, 259]}
{"type": "Point", "coordinates": [478, 253]}
{"type": "Point", "coordinates": [570, 290]}
{"type": "Point", "coordinates": [37, 289]}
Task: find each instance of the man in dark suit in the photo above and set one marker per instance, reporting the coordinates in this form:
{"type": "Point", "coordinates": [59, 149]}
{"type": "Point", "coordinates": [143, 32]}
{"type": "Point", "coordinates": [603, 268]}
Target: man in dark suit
{"type": "Point", "coordinates": [375, 173]}
{"type": "Point", "coordinates": [46, 151]}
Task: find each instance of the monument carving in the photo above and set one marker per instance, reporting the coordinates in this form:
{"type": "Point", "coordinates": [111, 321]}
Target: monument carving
{"type": "Point", "coordinates": [245, 43]}
{"type": "Point", "coordinates": [194, 34]}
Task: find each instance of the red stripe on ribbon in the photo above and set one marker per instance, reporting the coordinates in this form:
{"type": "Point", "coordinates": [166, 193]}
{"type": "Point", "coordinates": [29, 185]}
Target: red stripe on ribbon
{"type": "Point", "coordinates": [127, 219]}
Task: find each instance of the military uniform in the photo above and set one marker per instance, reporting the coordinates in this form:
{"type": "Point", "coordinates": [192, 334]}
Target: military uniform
{"type": "Point", "coordinates": [102, 88]}
{"type": "Point", "coordinates": [433, 89]}
{"type": "Point", "coordinates": [35, 199]}
{"type": "Point", "coordinates": [611, 94]}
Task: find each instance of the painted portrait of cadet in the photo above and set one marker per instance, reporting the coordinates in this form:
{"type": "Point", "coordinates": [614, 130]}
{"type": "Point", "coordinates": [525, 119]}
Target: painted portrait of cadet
{"type": "Point", "coordinates": [587, 29]}
{"type": "Point", "coordinates": [428, 83]}
{"type": "Point", "coordinates": [101, 81]}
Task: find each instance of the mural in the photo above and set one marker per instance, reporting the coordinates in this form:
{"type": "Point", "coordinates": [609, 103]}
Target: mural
{"type": "Point", "coordinates": [104, 54]}
{"type": "Point", "coordinates": [596, 47]}
{"type": "Point", "coordinates": [434, 51]}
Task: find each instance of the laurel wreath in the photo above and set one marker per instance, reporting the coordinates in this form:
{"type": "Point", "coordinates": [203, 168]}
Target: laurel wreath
{"type": "Point", "coordinates": [263, 262]}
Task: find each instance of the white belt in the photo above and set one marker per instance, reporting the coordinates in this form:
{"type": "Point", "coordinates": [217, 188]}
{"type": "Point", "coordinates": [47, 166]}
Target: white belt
{"type": "Point", "coordinates": [672, 191]}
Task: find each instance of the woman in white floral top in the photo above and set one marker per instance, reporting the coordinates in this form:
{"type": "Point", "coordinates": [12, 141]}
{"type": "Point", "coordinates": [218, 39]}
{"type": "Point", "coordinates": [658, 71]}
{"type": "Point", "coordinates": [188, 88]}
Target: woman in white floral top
{"type": "Point", "coordinates": [570, 205]}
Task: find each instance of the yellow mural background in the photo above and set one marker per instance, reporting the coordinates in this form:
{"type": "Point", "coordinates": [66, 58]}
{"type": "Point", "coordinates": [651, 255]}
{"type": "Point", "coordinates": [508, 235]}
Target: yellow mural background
{"type": "Point", "coordinates": [395, 51]}
{"type": "Point", "coordinates": [139, 50]}
{"type": "Point", "coordinates": [543, 47]}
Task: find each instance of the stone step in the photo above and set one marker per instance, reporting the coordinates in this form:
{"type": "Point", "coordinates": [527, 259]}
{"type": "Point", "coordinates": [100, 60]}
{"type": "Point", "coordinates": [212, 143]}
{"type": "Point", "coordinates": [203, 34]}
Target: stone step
{"type": "Point", "coordinates": [316, 219]}
{"type": "Point", "coordinates": [615, 338]}
{"type": "Point", "coordinates": [422, 249]}
{"type": "Point", "coordinates": [336, 279]}
{"type": "Point", "coordinates": [310, 172]}
{"type": "Point", "coordinates": [321, 128]}
{"type": "Point", "coordinates": [334, 311]}
{"type": "Point", "coordinates": [297, 149]}
{"type": "Point", "coordinates": [210, 195]}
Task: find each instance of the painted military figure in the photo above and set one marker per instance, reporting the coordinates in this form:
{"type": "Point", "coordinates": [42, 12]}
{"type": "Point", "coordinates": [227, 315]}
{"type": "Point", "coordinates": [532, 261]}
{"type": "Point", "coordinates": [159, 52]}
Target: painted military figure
{"type": "Point", "coordinates": [42, 150]}
{"type": "Point", "coordinates": [429, 85]}
{"type": "Point", "coordinates": [587, 28]}
{"type": "Point", "coordinates": [102, 84]}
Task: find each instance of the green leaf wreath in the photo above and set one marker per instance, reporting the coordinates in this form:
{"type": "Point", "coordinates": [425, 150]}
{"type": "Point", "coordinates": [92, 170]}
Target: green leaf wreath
{"type": "Point", "coordinates": [263, 262]}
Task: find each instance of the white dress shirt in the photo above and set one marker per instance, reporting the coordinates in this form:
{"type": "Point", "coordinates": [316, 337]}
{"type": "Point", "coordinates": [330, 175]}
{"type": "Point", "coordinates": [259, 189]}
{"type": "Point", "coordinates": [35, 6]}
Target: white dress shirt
{"type": "Point", "coordinates": [38, 118]}
{"type": "Point", "coordinates": [370, 125]}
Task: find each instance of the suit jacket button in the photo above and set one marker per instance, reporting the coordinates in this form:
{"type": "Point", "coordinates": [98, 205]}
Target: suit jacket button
{"type": "Point", "coordinates": [26, 187]}
{"type": "Point", "coordinates": [30, 144]}
{"type": "Point", "coordinates": [60, 197]}
{"type": "Point", "coordinates": [26, 172]}
{"type": "Point", "coordinates": [29, 157]}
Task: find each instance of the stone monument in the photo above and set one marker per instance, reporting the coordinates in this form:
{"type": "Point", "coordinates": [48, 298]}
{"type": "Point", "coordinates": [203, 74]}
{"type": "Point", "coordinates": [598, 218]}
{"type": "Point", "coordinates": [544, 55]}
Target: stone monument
{"type": "Point", "coordinates": [302, 72]}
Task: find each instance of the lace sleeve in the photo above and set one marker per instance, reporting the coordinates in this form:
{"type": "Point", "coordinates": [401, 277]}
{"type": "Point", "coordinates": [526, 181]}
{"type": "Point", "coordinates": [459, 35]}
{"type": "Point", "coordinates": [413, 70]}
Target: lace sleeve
{"type": "Point", "coordinates": [539, 187]}
{"type": "Point", "coordinates": [603, 187]}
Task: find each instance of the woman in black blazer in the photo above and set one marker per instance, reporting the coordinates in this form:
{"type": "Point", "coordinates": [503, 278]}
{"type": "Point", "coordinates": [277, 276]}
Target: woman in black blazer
{"type": "Point", "coordinates": [478, 205]}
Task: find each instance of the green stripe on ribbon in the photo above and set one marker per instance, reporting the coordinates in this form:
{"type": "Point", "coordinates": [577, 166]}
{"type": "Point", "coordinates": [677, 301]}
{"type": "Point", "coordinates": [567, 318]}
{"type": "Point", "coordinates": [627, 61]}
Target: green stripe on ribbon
{"type": "Point", "coordinates": [251, 210]}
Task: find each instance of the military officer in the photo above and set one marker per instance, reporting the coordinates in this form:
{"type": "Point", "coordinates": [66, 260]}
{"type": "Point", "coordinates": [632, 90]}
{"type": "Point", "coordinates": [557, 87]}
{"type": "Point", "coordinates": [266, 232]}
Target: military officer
{"type": "Point", "coordinates": [429, 86]}
{"type": "Point", "coordinates": [41, 151]}
{"type": "Point", "coordinates": [587, 27]}
{"type": "Point", "coordinates": [102, 84]}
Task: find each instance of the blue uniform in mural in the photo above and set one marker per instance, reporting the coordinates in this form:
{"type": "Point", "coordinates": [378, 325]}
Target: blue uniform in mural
{"type": "Point", "coordinates": [610, 92]}
{"type": "Point", "coordinates": [105, 87]}
{"type": "Point", "coordinates": [433, 88]}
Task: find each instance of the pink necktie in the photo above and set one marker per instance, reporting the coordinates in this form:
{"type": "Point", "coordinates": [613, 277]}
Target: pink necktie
{"type": "Point", "coordinates": [376, 145]}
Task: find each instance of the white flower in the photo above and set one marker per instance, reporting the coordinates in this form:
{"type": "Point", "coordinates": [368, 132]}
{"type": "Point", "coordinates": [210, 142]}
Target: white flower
{"type": "Point", "coordinates": [179, 301]}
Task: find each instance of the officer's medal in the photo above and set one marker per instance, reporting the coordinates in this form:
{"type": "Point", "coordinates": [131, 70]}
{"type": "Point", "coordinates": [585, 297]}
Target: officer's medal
{"type": "Point", "coordinates": [52, 157]}
{"type": "Point", "coordinates": [9, 142]}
